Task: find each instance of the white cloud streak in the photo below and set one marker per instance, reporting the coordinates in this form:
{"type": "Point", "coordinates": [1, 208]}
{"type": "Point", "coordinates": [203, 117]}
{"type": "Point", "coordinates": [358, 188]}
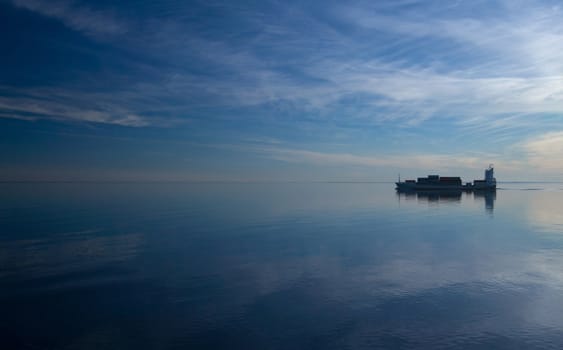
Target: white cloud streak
{"type": "Point", "coordinates": [62, 106]}
{"type": "Point", "coordinates": [80, 18]}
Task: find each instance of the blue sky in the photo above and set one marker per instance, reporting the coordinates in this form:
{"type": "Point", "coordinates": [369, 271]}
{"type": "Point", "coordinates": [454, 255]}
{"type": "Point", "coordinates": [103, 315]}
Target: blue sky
{"type": "Point", "coordinates": [269, 91]}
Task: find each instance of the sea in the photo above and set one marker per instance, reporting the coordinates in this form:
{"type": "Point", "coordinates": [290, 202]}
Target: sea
{"type": "Point", "coordinates": [279, 266]}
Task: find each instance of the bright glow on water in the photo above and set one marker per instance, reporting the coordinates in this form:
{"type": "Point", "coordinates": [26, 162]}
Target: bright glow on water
{"type": "Point", "coordinates": [279, 266]}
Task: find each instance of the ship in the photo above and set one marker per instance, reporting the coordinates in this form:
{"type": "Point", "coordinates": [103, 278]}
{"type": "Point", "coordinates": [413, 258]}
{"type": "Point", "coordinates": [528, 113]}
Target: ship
{"type": "Point", "coordinates": [437, 182]}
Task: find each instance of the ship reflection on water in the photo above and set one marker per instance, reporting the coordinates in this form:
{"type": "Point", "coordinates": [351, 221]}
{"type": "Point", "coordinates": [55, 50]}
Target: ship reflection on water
{"type": "Point", "coordinates": [450, 196]}
{"type": "Point", "coordinates": [489, 197]}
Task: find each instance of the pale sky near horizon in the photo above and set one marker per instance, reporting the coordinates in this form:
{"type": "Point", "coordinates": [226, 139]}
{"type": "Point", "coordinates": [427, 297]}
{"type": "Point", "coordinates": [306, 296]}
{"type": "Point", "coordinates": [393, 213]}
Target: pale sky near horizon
{"type": "Point", "coordinates": [280, 90]}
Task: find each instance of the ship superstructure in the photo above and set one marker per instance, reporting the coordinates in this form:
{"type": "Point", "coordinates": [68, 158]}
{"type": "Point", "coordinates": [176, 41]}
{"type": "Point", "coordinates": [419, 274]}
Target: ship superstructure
{"type": "Point", "coordinates": [437, 182]}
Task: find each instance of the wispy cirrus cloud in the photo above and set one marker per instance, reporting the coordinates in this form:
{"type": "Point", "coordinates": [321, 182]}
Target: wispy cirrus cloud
{"type": "Point", "coordinates": [489, 66]}
{"type": "Point", "coordinates": [65, 106]}
{"type": "Point", "coordinates": [76, 16]}
{"type": "Point", "coordinates": [400, 63]}
{"type": "Point", "coordinates": [525, 38]}
{"type": "Point", "coordinates": [512, 68]}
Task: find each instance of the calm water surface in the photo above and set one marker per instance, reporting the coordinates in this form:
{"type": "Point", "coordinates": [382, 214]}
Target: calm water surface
{"type": "Point", "coordinates": [279, 266]}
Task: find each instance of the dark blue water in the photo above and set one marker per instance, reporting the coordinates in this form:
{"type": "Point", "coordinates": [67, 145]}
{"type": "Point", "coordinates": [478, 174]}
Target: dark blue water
{"type": "Point", "coordinates": [279, 266]}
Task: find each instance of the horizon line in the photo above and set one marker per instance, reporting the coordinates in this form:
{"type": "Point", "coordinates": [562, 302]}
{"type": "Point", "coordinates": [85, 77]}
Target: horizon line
{"type": "Point", "coordinates": [227, 181]}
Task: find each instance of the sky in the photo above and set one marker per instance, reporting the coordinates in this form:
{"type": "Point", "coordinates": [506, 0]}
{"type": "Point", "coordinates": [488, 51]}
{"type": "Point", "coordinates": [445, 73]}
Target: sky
{"type": "Point", "coordinates": [280, 90]}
